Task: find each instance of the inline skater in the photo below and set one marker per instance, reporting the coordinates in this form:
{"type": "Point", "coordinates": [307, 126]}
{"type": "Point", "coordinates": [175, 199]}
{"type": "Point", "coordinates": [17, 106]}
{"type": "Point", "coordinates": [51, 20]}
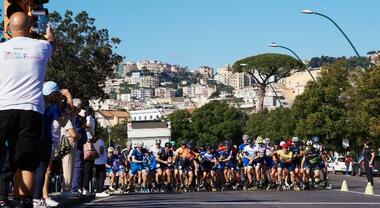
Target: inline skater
{"type": "Point", "coordinates": [310, 162]}
{"type": "Point", "coordinates": [138, 155]}
{"type": "Point", "coordinates": [186, 157]}
{"type": "Point", "coordinates": [165, 162]}
{"type": "Point", "coordinates": [159, 172]}
{"type": "Point", "coordinates": [297, 159]}
{"type": "Point", "coordinates": [208, 173]}
{"type": "Point", "coordinates": [258, 161]}
{"type": "Point", "coordinates": [285, 166]}
{"type": "Point", "coordinates": [249, 155]}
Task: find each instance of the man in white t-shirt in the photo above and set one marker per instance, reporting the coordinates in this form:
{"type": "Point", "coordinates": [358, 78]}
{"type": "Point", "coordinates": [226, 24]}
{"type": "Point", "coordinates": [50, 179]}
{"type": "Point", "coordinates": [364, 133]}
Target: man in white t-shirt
{"type": "Point", "coordinates": [90, 122]}
{"type": "Point", "coordinates": [100, 167]}
{"type": "Point", "coordinates": [23, 63]}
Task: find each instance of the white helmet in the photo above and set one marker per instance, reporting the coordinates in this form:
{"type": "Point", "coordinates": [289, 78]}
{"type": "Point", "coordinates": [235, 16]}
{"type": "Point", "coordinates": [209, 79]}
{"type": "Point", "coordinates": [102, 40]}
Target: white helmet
{"type": "Point", "coordinates": [267, 141]}
{"type": "Point", "coordinates": [282, 142]}
{"type": "Point", "coordinates": [316, 146]}
{"type": "Point", "coordinates": [295, 139]}
{"type": "Point", "coordinates": [140, 144]}
{"type": "Point", "coordinates": [309, 143]}
{"type": "Point", "coordinates": [245, 137]}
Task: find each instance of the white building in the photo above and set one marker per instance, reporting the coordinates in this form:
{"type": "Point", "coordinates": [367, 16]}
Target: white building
{"type": "Point", "coordinates": [195, 90]}
{"type": "Point", "coordinates": [240, 80]}
{"type": "Point", "coordinates": [147, 115]}
{"type": "Point", "coordinates": [224, 75]}
{"type": "Point", "coordinates": [112, 85]}
{"type": "Point", "coordinates": [206, 71]}
{"type": "Point", "coordinates": [149, 82]}
{"type": "Point", "coordinates": [142, 93]}
{"type": "Point", "coordinates": [135, 78]}
{"type": "Point", "coordinates": [162, 92]}
{"type": "Point", "coordinates": [148, 131]}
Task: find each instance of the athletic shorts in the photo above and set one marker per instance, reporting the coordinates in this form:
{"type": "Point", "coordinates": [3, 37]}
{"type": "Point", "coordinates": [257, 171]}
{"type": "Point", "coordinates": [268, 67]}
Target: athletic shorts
{"type": "Point", "coordinates": [288, 166]}
{"type": "Point", "coordinates": [258, 162]}
{"type": "Point", "coordinates": [185, 165]}
{"type": "Point", "coordinates": [245, 162]}
{"type": "Point", "coordinates": [231, 165]}
{"type": "Point", "coordinates": [23, 131]}
{"type": "Point", "coordinates": [109, 171]}
{"type": "Point", "coordinates": [136, 167]}
{"type": "Point", "coordinates": [312, 167]}
{"type": "Point", "coordinates": [297, 164]}
{"type": "Point", "coordinates": [206, 166]}
{"type": "Point", "coordinates": [269, 163]}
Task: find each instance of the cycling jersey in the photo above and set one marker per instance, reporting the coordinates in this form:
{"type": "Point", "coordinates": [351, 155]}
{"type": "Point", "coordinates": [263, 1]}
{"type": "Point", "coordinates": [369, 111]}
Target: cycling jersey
{"type": "Point", "coordinates": [209, 161]}
{"type": "Point", "coordinates": [185, 153]}
{"type": "Point", "coordinates": [248, 152]}
{"type": "Point", "coordinates": [139, 156]}
{"type": "Point", "coordinates": [164, 156]}
{"type": "Point", "coordinates": [312, 158]}
{"type": "Point", "coordinates": [285, 156]}
{"type": "Point", "coordinates": [155, 150]}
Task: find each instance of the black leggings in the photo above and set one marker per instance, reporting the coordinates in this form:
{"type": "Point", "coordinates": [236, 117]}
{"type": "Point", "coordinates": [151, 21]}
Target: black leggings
{"type": "Point", "coordinates": [368, 172]}
{"type": "Point", "coordinates": [87, 173]}
{"type": "Point", "coordinates": [100, 175]}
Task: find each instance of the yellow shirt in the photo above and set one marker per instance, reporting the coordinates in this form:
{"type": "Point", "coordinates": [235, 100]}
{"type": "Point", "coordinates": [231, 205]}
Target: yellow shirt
{"type": "Point", "coordinates": [285, 156]}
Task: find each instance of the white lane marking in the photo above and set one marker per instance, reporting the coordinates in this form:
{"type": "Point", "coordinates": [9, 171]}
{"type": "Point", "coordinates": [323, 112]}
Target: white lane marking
{"type": "Point", "coordinates": [357, 192]}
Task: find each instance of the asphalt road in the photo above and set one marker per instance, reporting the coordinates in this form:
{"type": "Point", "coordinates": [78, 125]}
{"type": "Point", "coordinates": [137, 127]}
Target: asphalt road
{"type": "Point", "coordinates": [315, 198]}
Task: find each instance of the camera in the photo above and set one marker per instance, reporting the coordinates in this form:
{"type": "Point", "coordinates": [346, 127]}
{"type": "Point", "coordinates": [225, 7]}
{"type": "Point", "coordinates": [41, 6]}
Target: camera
{"type": "Point", "coordinates": [40, 21]}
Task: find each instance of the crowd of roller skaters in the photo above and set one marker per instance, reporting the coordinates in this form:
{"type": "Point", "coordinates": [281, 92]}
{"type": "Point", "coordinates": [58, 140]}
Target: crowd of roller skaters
{"type": "Point", "coordinates": [257, 163]}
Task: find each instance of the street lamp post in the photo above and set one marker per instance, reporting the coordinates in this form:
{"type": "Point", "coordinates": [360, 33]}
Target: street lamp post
{"type": "Point", "coordinates": [307, 11]}
{"type": "Point", "coordinates": [109, 136]}
{"type": "Point", "coordinates": [192, 102]}
{"type": "Point", "coordinates": [275, 45]}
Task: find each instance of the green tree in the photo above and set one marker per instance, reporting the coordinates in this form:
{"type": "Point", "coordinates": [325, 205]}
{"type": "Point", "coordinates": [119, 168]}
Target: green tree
{"type": "Point", "coordinates": [266, 69]}
{"type": "Point", "coordinates": [275, 124]}
{"type": "Point", "coordinates": [363, 103]}
{"type": "Point", "coordinates": [181, 127]}
{"type": "Point", "coordinates": [321, 110]}
{"type": "Point", "coordinates": [216, 122]}
{"type": "Point", "coordinates": [83, 56]}
{"type": "Point", "coordinates": [118, 134]}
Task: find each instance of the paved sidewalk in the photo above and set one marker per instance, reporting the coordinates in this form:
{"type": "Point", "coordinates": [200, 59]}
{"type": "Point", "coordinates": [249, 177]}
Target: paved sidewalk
{"type": "Point", "coordinates": [66, 201]}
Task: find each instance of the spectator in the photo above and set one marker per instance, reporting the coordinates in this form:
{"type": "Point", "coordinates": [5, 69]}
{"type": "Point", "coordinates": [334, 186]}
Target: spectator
{"type": "Point", "coordinates": [88, 164]}
{"type": "Point", "coordinates": [68, 160]}
{"type": "Point", "coordinates": [77, 178]}
{"type": "Point", "coordinates": [53, 120]}
{"type": "Point", "coordinates": [369, 156]}
{"type": "Point", "coordinates": [21, 100]}
{"type": "Point", "coordinates": [348, 161]}
{"type": "Point", "coordinates": [100, 167]}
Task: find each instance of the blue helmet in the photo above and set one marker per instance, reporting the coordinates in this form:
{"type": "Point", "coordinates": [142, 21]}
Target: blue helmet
{"type": "Point", "coordinates": [315, 139]}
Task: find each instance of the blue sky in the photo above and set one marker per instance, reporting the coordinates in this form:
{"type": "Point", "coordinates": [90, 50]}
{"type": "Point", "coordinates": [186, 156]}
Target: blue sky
{"type": "Point", "coordinates": [218, 32]}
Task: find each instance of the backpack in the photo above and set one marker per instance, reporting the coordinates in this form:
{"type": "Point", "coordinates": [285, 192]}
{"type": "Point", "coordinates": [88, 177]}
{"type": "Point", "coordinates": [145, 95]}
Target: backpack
{"type": "Point", "coordinates": [89, 151]}
{"type": "Point", "coordinates": [63, 148]}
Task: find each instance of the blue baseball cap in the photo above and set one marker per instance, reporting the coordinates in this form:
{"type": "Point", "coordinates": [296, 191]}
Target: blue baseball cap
{"type": "Point", "coordinates": [50, 87]}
